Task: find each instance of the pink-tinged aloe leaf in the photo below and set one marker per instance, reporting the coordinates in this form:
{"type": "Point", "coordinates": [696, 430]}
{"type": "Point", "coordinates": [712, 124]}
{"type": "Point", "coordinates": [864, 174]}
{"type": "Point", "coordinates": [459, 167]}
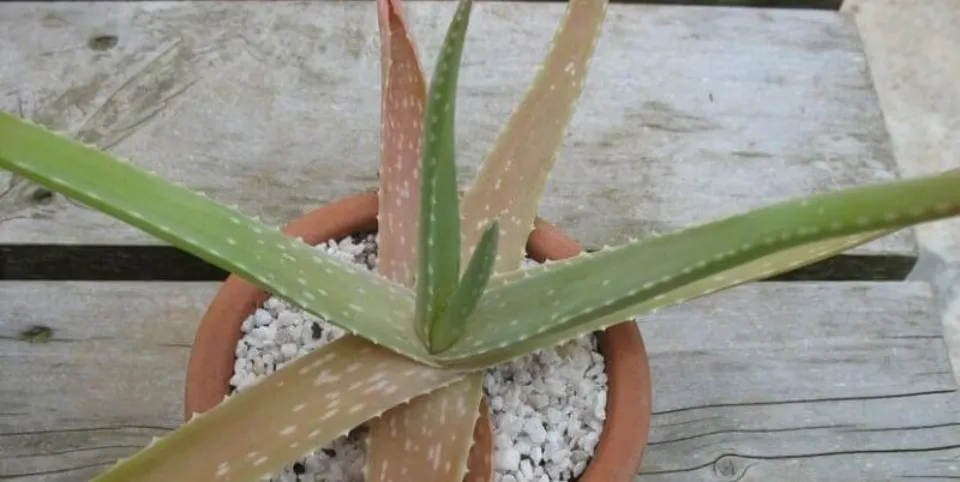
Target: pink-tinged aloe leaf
{"type": "Point", "coordinates": [349, 296]}
{"type": "Point", "coordinates": [403, 95]}
{"type": "Point", "coordinates": [451, 324]}
{"type": "Point", "coordinates": [439, 239]}
{"type": "Point", "coordinates": [430, 440]}
{"type": "Point", "coordinates": [511, 180]}
{"type": "Point", "coordinates": [301, 407]}
{"type": "Point", "coordinates": [558, 301]}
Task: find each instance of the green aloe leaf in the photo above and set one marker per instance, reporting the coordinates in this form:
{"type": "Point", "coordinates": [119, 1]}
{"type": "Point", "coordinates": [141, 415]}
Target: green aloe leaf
{"type": "Point", "coordinates": [432, 438]}
{"type": "Point", "coordinates": [439, 239]}
{"type": "Point", "coordinates": [561, 300]}
{"type": "Point", "coordinates": [450, 325]}
{"type": "Point", "coordinates": [310, 402]}
{"type": "Point", "coordinates": [403, 96]}
{"type": "Point", "coordinates": [348, 295]}
{"type": "Point", "coordinates": [511, 180]}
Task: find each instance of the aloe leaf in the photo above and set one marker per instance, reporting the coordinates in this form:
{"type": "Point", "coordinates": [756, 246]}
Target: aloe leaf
{"type": "Point", "coordinates": [403, 95]}
{"type": "Point", "coordinates": [351, 297]}
{"type": "Point", "coordinates": [451, 324]}
{"type": "Point", "coordinates": [511, 180]}
{"type": "Point", "coordinates": [439, 239]}
{"type": "Point", "coordinates": [310, 402]}
{"type": "Point", "coordinates": [431, 441]}
{"type": "Point", "coordinates": [569, 298]}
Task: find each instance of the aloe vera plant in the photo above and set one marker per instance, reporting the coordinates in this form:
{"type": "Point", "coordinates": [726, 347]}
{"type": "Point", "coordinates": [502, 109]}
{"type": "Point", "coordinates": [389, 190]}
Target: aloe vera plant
{"type": "Point", "coordinates": [450, 299]}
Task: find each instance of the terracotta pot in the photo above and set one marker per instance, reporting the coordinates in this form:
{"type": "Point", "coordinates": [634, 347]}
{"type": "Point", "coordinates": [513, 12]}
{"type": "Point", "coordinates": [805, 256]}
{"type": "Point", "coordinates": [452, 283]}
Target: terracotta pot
{"type": "Point", "coordinates": [620, 449]}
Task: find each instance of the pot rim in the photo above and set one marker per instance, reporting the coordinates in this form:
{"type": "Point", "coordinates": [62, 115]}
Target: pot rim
{"type": "Point", "coordinates": [623, 438]}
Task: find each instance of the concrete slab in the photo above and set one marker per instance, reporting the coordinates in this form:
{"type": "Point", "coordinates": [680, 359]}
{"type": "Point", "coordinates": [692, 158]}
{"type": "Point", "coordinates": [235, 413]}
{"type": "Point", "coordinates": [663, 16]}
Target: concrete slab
{"type": "Point", "coordinates": [913, 48]}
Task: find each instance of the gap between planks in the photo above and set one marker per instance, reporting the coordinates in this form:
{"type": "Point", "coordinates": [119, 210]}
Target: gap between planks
{"type": "Point", "coordinates": [165, 263]}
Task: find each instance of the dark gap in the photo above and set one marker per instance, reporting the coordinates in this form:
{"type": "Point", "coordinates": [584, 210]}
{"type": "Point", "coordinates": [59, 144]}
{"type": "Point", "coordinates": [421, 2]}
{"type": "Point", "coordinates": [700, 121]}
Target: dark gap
{"type": "Point", "coordinates": [165, 263]}
{"type": "Point", "coordinates": [850, 267]}
{"type": "Point", "coordinates": [103, 263]}
{"type": "Point", "coordinates": [853, 268]}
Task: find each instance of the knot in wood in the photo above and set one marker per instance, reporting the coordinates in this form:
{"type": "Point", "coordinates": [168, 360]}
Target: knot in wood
{"type": "Point", "coordinates": [728, 467]}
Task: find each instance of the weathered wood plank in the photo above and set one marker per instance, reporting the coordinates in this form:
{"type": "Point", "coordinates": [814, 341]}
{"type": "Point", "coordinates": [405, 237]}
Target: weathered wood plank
{"type": "Point", "coordinates": [691, 112]}
{"type": "Point", "coordinates": [803, 382]}
{"type": "Point", "coordinates": [778, 381]}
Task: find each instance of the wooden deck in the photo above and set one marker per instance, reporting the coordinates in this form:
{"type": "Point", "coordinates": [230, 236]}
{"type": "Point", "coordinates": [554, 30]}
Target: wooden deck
{"type": "Point", "coordinates": [690, 113]}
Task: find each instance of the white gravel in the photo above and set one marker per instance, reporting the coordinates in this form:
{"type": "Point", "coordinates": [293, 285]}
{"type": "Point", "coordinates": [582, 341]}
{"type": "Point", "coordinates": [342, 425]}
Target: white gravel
{"type": "Point", "coordinates": [547, 408]}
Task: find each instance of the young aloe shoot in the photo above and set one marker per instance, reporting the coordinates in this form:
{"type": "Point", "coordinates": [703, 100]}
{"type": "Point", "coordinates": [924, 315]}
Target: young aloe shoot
{"type": "Point", "coordinates": [452, 323]}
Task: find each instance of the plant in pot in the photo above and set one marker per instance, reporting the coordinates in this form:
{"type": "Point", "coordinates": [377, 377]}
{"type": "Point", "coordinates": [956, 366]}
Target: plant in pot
{"type": "Point", "coordinates": [448, 301]}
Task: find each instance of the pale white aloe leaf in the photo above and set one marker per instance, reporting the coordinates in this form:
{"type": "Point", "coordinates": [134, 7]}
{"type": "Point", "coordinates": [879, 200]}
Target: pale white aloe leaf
{"type": "Point", "coordinates": [286, 415]}
{"type": "Point", "coordinates": [430, 440]}
{"type": "Point", "coordinates": [403, 97]}
{"type": "Point", "coordinates": [343, 293]}
{"type": "Point", "coordinates": [511, 180]}
{"type": "Point", "coordinates": [558, 301]}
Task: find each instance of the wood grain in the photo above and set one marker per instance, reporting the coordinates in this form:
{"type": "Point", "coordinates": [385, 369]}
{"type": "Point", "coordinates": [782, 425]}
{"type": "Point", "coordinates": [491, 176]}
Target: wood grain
{"type": "Point", "coordinates": [803, 382]}
{"type": "Point", "coordinates": [690, 113]}
{"type": "Point", "coordinates": [792, 382]}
